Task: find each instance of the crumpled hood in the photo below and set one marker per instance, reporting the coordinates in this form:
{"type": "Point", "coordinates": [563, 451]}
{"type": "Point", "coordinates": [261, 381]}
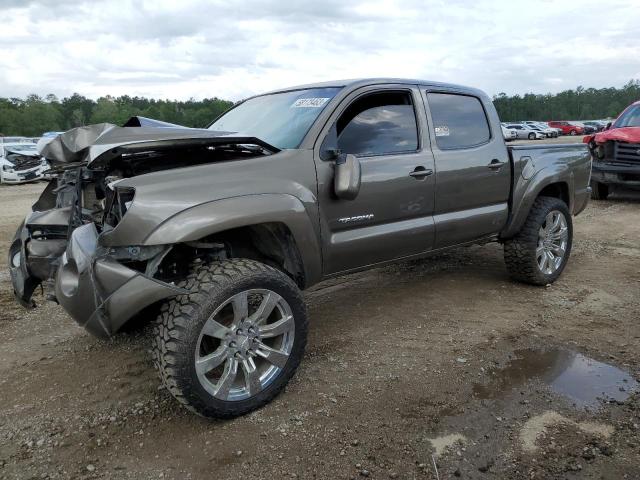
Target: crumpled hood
{"type": "Point", "coordinates": [17, 151]}
{"type": "Point", "coordinates": [22, 159]}
{"type": "Point", "coordinates": [97, 144]}
{"type": "Point", "coordinates": [72, 145]}
{"type": "Point", "coordinates": [625, 134]}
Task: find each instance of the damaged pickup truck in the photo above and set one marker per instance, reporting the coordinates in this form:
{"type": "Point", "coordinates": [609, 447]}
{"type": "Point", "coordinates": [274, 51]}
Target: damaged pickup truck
{"type": "Point", "coordinates": [616, 154]}
{"type": "Point", "coordinates": [220, 229]}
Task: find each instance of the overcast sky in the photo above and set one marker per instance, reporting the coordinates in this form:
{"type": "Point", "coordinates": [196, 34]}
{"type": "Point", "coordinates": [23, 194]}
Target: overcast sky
{"type": "Point", "coordinates": [197, 48]}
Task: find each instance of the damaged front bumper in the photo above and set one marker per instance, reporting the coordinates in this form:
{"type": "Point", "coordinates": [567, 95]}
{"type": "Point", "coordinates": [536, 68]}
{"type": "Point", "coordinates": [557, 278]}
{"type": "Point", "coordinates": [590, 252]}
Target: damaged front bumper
{"type": "Point", "coordinates": [98, 291]}
{"type": "Point", "coordinates": [614, 174]}
{"type": "Point", "coordinates": [24, 176]}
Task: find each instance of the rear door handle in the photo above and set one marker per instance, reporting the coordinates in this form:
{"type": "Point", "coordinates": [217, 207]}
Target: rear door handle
{"type": "Point", "coordinates": [421, 172]}
{"type": "Point", "coordinates": [496, 164]}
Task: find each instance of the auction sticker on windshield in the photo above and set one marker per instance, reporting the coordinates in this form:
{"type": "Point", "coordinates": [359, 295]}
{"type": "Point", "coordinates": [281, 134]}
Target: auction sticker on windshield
{"type": "Point", "coordinates": [315, 102]}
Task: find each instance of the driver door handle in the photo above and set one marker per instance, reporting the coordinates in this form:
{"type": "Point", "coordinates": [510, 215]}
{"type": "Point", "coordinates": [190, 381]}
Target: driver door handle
{"type": "Point", "coordinates": [421, 172]}
{"type": "Point", "coordinates": [496, 164]}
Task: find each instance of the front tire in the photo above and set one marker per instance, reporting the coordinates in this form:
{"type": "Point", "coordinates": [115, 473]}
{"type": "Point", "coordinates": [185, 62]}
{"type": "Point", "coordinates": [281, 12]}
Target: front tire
{"type": "Point", "coordinates": [538, 253]}
{"type": "Point", "coordinates": [532, 136]}
{"type": "Point", "coordinates": [573, 133]}
{"type": "Point", "coordinates": [233, 343]}
{"type": "Point", "coordinates": [599, 191]}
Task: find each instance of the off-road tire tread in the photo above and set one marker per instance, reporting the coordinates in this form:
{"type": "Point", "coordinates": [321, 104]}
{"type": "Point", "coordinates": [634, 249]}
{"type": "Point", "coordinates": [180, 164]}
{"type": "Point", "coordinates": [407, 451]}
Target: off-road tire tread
{"type": "Point", "coordinates": [179, 318]}
{"type": "Point", "coordinates": [520, 251]}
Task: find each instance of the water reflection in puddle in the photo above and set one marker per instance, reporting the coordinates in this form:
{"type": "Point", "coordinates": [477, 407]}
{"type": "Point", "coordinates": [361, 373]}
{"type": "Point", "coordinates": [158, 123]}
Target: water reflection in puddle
{"type": "Point", "coordinates": [581, 379]}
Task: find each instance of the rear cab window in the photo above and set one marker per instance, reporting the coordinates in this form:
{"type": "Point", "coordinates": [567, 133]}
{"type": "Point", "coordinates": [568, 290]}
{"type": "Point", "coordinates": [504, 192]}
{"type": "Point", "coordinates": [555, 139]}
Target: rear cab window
{"type": "Point", "coordinates": [459, 121]}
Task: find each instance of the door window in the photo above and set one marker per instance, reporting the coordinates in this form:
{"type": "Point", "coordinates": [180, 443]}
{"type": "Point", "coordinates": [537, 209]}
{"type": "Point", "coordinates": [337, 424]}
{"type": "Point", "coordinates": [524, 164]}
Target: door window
{"type": "Point", "coordinates": [378, 124]}
{"type": "Point", "coordinates": [459, 120]}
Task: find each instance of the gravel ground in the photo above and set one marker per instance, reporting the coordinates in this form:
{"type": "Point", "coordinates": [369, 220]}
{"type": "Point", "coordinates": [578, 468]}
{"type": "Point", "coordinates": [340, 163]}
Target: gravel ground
{"type": "Point", "coordinates": [409, 371]}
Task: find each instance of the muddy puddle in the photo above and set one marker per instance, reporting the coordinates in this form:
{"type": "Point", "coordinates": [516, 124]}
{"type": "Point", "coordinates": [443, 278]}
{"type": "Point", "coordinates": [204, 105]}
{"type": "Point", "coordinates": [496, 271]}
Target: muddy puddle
{"type": "Point", "coordinates": [585, 382]}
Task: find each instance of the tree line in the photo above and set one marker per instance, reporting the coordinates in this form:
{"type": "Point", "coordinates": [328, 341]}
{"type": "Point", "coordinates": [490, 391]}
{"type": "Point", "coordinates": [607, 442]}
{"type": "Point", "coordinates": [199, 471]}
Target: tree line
{"type": "Point", "coordinates": [579, 104]}
{"type": "Point", "coordinates": [35, 115]}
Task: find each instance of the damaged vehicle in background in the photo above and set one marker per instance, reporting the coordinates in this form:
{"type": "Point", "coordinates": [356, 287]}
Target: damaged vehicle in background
{"type": "Point", "coordinates": [217, 232]}
{"type": "Point", "coordinates": [616, 154]}
{"type": "Point", "coordinates": [20, 162]}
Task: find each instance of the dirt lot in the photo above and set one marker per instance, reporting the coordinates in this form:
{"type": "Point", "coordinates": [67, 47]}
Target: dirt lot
{"type": "Point", "coordinates": [437, 364]}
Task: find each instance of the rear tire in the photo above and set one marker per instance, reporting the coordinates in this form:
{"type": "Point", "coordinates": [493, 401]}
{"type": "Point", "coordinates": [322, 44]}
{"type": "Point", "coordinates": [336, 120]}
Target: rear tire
{"type": "Point", "coordinates": [524, 254]}
{"type": "Point", "coordinates": [233, 343]}
{"type": "Point", "coordinates": [599, 191]}
{"type": "Point", "coordinates": [573, 133]}
{"type": "Point", "coordinates": [532, 136]}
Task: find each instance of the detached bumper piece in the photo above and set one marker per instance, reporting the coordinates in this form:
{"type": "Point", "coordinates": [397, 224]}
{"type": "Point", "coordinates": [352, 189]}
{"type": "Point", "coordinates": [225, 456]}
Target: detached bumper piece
{"type": "Point", "coordinates": [35, 251]}
{"type": "Point", "coordinates": [100, 293]}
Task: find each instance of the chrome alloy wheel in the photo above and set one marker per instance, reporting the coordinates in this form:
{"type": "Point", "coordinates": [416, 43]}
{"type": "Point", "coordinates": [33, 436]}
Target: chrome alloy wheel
{"type": "Point", "coordinates": [553, 237]}
{"type": "Point", "coordinates": [244, 344]}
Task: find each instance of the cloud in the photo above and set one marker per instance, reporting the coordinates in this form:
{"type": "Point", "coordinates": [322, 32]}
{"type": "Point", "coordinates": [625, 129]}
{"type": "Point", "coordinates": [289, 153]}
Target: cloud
{"type": "Point", "coordinates": [231, 48]}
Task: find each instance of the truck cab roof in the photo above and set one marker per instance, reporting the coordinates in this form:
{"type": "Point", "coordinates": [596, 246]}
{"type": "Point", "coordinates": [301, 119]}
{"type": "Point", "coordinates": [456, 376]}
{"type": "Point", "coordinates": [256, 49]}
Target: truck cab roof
{"type": "Point", "coordinates": [352, 84]}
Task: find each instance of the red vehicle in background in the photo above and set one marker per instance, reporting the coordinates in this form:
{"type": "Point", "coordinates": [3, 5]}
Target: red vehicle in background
{"type": "Point", "coordinates": [567, 128]}
{"type": "Point", "coordinates": [616, 154]}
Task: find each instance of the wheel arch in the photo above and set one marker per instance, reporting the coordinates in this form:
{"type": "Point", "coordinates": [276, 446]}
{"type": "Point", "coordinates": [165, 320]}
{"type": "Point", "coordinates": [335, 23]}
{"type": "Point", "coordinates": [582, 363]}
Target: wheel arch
{"type": "Point", "coordinates": [272, 227]}
{"type": "Point", "coordinates": [271, 243]}
{"type": "Point", "coordinates": [557, 190]}
{"type": "Point", "coordinates": [557, 185]}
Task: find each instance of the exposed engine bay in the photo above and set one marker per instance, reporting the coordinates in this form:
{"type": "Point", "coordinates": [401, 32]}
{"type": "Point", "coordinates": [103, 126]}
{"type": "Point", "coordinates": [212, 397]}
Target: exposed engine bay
{"type": "Point", "coordinates": [88, 163]}
{"type": "Point", "coordinates": [93, 192]}
{"type": "Point", "coordinates": [22, 161]}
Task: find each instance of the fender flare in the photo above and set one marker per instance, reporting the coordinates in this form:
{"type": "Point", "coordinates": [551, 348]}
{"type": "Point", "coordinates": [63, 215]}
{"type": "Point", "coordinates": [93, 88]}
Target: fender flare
{"type": "Point", "coordinates": [217, 216]}
{"type": "Point", "coordinates": [542, 179]}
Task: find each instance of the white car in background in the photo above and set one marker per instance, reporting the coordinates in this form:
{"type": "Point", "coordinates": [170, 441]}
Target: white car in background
{"type": "Point", "coordinates": [20, 161]}
{"type": "Point", "coordinates": [525, 131]}
{"type": "Point", "coordinates": [550, 132]}
{"type": "Point", "coordinates": [508, 134]}
{"type": "Point", "coordinates": [558, 131]}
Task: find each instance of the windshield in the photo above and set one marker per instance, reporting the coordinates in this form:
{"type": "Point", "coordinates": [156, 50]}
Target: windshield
{"type": "Point", "coordinates": [629, 118]}
{"type": "Point", "coordinates": [280, 119]}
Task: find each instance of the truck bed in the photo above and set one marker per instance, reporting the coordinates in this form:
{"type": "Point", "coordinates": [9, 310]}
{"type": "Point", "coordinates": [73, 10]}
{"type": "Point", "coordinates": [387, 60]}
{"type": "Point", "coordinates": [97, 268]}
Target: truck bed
{"type": "Point", "coordinates": [566, 165]}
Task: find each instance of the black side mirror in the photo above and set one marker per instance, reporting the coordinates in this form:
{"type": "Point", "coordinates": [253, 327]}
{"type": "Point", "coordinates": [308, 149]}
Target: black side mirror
{"type": "Point", "coordinates": [608, 126]}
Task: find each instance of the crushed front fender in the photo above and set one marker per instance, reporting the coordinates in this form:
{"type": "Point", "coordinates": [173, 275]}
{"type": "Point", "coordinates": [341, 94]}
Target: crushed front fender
{"type": "Point", "coordinates": [100, 293]}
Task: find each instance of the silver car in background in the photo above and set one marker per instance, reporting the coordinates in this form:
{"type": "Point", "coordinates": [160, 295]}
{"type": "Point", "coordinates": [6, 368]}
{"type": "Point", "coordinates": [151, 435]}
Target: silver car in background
{"type": "Point", "coordinates": [508, 134]}
{"type": "Point", "coordinates": [525, 131]}
{"type": "Point", "coordinates": [550, 132]}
